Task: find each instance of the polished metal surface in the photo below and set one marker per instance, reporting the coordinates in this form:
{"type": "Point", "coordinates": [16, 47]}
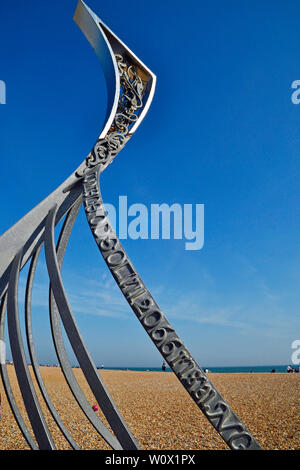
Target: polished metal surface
{"type": "Point", "coordinates": [131, 87]}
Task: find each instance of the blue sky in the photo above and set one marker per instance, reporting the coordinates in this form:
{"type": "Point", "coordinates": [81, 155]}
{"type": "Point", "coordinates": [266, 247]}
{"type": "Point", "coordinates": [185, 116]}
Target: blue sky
{"type": "Point", "coordinates": [222, 131]}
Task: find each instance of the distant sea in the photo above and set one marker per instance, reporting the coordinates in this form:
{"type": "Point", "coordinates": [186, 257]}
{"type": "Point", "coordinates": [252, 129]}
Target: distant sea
{"type": "Point", "coordinates": [223, 370]}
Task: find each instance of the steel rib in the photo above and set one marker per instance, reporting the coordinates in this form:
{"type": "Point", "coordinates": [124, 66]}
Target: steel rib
{"type": "Point", "coordinates": [59, 342]}
{"type": "Point", "coordinates": [6, 383]}
{"type": "Point", "coordinates": [32, 353]}
{"type": "Point", "coordinates": [86, 363]}
{"type": "Point", "coordinates": [31, 402]}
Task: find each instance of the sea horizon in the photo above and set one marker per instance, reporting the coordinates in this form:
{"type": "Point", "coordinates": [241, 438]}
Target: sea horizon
{"type": "Point", "coordinates": [220, 369]}
{"type": "Point", "coordinates": [278, 368]}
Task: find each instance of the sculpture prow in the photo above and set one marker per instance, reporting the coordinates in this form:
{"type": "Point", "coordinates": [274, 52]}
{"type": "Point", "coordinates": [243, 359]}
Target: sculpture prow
{"type": "Point", "coordinates": [28, 231]}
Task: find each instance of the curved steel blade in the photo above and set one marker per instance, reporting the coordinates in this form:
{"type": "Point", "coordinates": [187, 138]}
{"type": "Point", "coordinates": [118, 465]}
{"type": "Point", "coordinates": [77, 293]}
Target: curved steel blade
{"type": "Point", "coordinates": [27, 232]}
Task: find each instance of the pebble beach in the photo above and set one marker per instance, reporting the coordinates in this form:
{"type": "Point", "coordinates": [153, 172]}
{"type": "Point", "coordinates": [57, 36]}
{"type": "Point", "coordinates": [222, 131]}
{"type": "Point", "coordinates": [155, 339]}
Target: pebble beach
{"type": "Point", "coordinates": [160, 413]}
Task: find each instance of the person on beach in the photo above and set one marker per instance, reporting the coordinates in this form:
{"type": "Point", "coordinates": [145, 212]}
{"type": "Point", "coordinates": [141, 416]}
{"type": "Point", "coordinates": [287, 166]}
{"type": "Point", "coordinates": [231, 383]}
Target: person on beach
{"type": "Point", "coordinates": [289, 369]}
{"type": "Point", "coordinates": [163, 367]}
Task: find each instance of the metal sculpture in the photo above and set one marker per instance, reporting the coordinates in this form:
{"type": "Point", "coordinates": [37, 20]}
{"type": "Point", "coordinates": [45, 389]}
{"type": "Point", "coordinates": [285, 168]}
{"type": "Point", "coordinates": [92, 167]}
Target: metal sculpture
{"type": "Point", "coordinates": [131, 87]}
